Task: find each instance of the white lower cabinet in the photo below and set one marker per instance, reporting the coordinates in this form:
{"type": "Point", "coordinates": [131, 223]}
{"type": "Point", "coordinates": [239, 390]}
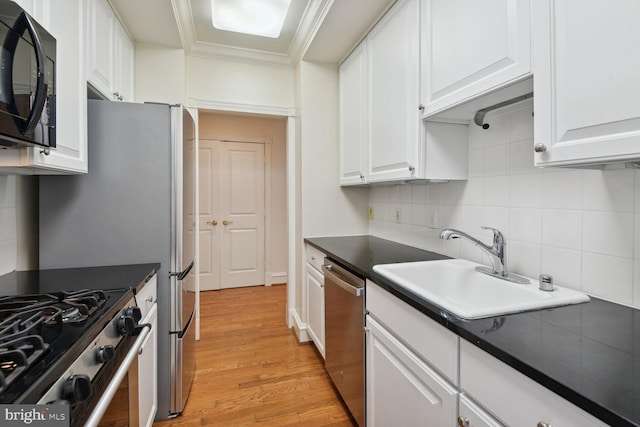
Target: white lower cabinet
{"type": "Point", "coordinates": [512, 397]}
{"type": "Point", "coordinates": [314, 296]}
{"type": "Point", "coordinates": [145, 371]}
{"type": "Point", "coordinates": [402, 390]}
{"type": "Point", "coordinates": [470, 414]}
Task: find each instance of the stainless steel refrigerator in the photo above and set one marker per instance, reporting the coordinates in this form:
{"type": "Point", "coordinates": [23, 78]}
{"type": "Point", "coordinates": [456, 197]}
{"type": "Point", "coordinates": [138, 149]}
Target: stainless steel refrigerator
{"type": "Point", "coordinates": [136, 205]}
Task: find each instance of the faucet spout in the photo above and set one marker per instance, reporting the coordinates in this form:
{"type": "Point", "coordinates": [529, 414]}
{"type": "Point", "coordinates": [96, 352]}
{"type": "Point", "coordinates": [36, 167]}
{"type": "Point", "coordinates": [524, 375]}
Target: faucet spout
{"type": "Point", "coordinates": [496, 252]}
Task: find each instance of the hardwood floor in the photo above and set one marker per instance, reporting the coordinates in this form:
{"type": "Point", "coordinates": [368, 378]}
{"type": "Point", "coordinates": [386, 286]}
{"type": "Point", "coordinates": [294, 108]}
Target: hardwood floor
{"type": "Point", "coordinates": [250, 368]}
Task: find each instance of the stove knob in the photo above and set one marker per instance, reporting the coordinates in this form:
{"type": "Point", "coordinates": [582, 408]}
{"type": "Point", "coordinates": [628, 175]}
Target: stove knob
{"type": "Point", "coordinates": [76, 388]}
{"type": "Point", "coordinates": [105, 353]}
{"type": "Point", "coordinates": [134, 312]}
{"type": "Point", "coordinates": [125, 325]}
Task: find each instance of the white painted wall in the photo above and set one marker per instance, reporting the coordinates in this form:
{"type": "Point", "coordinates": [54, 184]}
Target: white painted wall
{"type": "Point", "coordinates": [239, 83]}
{"type": "Point", "coordinates": [160, 74]}
{"type": "Point", "coordinates": [581, 226]}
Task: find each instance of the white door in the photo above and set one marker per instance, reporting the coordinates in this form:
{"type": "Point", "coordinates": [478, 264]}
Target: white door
{"type": "Point", "coordinates": [232, 212]}
{"type": "Point", "coordinates": [242, 210]}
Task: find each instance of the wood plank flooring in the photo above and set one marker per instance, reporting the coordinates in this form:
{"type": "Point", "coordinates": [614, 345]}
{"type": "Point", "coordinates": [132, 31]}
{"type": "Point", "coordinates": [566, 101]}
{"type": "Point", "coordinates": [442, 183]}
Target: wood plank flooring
{"type": "Point", "coordinates": [251, 370]}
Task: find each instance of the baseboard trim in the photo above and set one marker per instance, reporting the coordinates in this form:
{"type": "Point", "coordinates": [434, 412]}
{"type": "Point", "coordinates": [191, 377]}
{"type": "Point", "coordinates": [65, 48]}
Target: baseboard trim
{"type": "Point", "coordinates": [299, 327]}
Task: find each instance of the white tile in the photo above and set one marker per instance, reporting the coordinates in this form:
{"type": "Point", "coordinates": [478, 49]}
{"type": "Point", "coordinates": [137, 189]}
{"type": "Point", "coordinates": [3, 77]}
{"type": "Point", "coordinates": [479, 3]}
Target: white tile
{"type": "Point", "coordinates": [419, 193]}
{"type": "Point", "coordinates": [7, 224]}
{"type": "Point", "coordinates": [562, 190]}
{"type": "Point", "coordinates": [525, 225]}
{"type": "Point", "coordinates": [523, 258]}
{"type": "Point", "coordinates": [472, 219]}
{"type": "Point", "coordinates": [496, 191]}
{"type": "Point", "coordinates": [611, 190]}
{"type": "Point", "coordinates": [475, 163]}
{"type": "Point", "coordinates": [521, 122]}
{"type": "Point", "coordinates": [565, 265]}
{"type": "Point", "coordinates": [8, 256]}
{"type": "Point", "coordinates": [450, 193]}
{"type": "Point", "coordinates": [496, 160]}
{"type": "Point", "coordinates": [406, 195]}
{"type": "Point", "coordinates": [562, 229]}
{"type": "Point", "coordinates": [608, 277]}
{"type": "Point", "coordinates": [525, 191]}
{"type": "Point", "coordinates": [521, 157]}
{"type": "Point", "coordinates": [472, 192]}
{"type": "Point", "coordinates": [608, 233]}
{"type": "Point", "coordinates": [497, 217]}
{"type": "Point", "coordinates": [7, 191]}
{"type": "Point", "coordinates": [419, 214]}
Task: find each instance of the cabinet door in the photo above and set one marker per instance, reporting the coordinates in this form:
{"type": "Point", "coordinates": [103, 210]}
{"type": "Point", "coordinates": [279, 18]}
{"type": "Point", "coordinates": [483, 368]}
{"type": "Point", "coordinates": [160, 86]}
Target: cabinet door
{"type": "Point", "coordinates": [315, 307]}
{"type": "Point", "coordinates": [148, 372]}
{"type": "Point", "coordinates": [402, 390]}
{"type": "Point", "coordinates": [471, 48]}
{"type": "Point", "coordinates": [124, 65]}
{"type": "Point", "coordinates": [353, 112]}
{"type": "Point", "coordinates": [586, 81]}
{"type": "Point", "coordinates": [470, 414]}
{"type": "Point", "coordinates": [101, 49]}
{"type": "Point", "coordinates": [395, 151]}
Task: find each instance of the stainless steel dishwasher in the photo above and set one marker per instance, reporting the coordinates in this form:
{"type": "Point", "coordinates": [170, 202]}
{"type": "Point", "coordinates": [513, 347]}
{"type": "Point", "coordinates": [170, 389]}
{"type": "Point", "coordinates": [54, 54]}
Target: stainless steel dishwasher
{"type": "Point", "coordinates": [344, 335]}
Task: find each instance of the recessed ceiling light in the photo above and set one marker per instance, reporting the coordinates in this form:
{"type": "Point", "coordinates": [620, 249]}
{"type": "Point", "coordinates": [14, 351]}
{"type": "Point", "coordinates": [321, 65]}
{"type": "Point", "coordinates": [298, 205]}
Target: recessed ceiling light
{"type": "Point", "coordinates": [257, 17]}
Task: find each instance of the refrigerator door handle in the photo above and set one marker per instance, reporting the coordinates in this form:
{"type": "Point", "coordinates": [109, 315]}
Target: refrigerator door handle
{"type": "Point", "coordinates": [181, 275]}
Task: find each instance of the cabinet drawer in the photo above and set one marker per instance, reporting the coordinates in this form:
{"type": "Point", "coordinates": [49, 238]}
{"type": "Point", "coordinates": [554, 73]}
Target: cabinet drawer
{"type": "Point", "coordinates": [472, 415]}
{"type": "Point", "coordinates": [146, 298]}
{"type": "Point", "coordinates": [314, 256]}
{"type": "Point", "coordinates": [496, 386]}
{"type": "Point", "coordinates": [427, 338]}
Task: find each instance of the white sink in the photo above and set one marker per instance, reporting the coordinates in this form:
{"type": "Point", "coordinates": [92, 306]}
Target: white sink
{"type": "Point", "coordinates": [458, 288]}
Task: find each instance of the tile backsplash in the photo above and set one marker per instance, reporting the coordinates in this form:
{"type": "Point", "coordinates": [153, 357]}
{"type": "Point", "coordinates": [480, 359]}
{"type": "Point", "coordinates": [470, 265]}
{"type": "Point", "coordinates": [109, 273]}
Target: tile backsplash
{"type": "Point", "coordinates": [580, 225]}
{"type": "Point", "coordinates": [8, 226]}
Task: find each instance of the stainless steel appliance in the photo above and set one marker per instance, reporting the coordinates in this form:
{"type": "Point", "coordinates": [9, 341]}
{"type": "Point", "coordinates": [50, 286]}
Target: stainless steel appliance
{"type": "Point", "coordinates": [136, 205]}
{"type": "Point", "coordinates": [344, 335]}
{"type": "Point", "coordinates": [54, 346]}
{"type": "Point", "coordinates": [27, 80]}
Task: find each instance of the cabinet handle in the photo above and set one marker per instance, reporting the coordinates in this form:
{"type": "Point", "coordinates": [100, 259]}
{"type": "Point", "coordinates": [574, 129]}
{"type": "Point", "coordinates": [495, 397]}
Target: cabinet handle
{"type": "Point", "coordinates": [421, 107]}
{"type": "Point", "coordinates": [463, 421]}
{"type": "Point", "coordinates": [411, 169]}
{"type": "Point", "coordinates": [542, 424]}
{"type": "Point", "coordinates": [149, 298]}
{"type": "Point", "coordinates": [361, 176]}
{"type": "Point", "coordinates": [539, 148]}
{"type": "Point", "coordinates": [225, 222]}
{"type": "Point", "coordinates": [212, 222]}
{"type": "Point", "coordinates": [45, 151]}
{"type": "Point", "coordinates": [313, 258]}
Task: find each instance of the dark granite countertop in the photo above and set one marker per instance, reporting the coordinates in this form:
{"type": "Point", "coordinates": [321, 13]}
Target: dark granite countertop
{"type": "Point", "coordinates": [587, 353]}
{"type": "Point", "coordinates": [70, 279]}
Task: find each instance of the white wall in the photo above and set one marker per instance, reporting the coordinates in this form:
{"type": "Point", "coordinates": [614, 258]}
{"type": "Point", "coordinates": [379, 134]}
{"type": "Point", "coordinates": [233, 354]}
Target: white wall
{"type": "Point", "coordinates": [581, 226]}
{"type": "Point", "coordinates": [242, 83]}
{"type": "Point", "coordinates": [160, 74]}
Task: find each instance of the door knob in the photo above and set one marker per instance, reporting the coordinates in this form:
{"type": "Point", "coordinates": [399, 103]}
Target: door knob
{"type": "Point", "coordinates": [213, 222]}
{"type": "Point", "coordinates": [225, 222]}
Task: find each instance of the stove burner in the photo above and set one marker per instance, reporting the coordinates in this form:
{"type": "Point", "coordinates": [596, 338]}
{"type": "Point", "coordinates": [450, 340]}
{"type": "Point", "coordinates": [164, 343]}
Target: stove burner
{"type": "Point", "coordinates": [26, 321]}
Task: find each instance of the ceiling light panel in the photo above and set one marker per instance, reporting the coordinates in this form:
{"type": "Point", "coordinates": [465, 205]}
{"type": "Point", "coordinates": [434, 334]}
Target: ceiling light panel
{"type": "Point", "coordinates": [256, 17]}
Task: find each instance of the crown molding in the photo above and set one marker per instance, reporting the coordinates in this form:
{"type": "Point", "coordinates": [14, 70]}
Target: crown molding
{"type": "Point", "coordinates": [313, 17]}
{"type": "Point", "coordinates": [235, 54]}
{"type": "Point", "coordinates": [184, 21]}
{"type": "Point", "coordinates": [236, 107]}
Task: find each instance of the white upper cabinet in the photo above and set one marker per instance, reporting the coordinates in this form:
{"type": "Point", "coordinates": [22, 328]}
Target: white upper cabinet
{"type": "Point", "coordinates": [66, 22]}
{"type": "Point", "coordinates": [353, 113]}
{"type": "Point", "coordinates": [471, 48]}
{"type": "Point", "coordinates": [393, 48]}
{"type": "Point", "coordinates": [110, 53]}
{"type": "Point", "coordinates": [586, 82]}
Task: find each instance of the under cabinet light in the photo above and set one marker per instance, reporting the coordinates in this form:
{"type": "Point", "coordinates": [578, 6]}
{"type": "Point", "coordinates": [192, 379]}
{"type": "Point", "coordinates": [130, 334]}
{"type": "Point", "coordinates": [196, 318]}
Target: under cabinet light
{"type": "Point", "coordinates": [257, 17]}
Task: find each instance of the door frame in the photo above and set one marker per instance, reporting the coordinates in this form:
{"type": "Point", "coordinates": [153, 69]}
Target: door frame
{"type": "Point", "coordinates": [268, 143]}
{"type": "Point", "coordinates": [294, 233]}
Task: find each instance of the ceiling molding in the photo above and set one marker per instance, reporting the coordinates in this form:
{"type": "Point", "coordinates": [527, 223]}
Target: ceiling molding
{"type": "Point", "coordinates": [235, 107]}
{"type": "Point", "coordinates": [236, 54]}
{"type": "Point", "coordinates": [184, 21]}
{"type": "Point", "coordinates": [313, 17]}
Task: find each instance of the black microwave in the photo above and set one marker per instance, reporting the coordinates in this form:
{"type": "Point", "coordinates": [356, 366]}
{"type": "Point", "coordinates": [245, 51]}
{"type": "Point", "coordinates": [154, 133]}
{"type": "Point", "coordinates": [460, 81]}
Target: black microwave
{"type": "Point", "coordinates": [27, 80]}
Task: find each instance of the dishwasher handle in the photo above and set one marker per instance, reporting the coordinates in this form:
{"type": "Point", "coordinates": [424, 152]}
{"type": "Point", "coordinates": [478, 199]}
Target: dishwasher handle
{"type": "Point", "coordinates": [335, 278]}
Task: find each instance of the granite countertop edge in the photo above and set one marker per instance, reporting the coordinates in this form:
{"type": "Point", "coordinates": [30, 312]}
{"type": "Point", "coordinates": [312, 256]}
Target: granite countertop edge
{"type": "Point", "coordinates": [331, 247]}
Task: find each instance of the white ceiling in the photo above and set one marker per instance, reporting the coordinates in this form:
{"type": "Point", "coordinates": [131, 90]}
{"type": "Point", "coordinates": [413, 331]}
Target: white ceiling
{"type": "Point", "coordinates": [320, 30]}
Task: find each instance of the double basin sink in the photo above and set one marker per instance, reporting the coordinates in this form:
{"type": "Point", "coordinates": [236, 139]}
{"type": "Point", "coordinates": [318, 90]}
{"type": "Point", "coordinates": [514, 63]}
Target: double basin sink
{"type": "Point", "coordinates": [455, 286]}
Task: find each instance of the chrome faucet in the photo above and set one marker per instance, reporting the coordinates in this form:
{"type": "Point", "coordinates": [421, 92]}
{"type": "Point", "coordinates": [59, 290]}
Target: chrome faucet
{"type": "Point", "coordinates": [497, 253]}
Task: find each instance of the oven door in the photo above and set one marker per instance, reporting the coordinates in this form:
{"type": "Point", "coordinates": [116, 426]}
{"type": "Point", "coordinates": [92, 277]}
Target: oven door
{"type": "Point", "coordinates": [27, 80]}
